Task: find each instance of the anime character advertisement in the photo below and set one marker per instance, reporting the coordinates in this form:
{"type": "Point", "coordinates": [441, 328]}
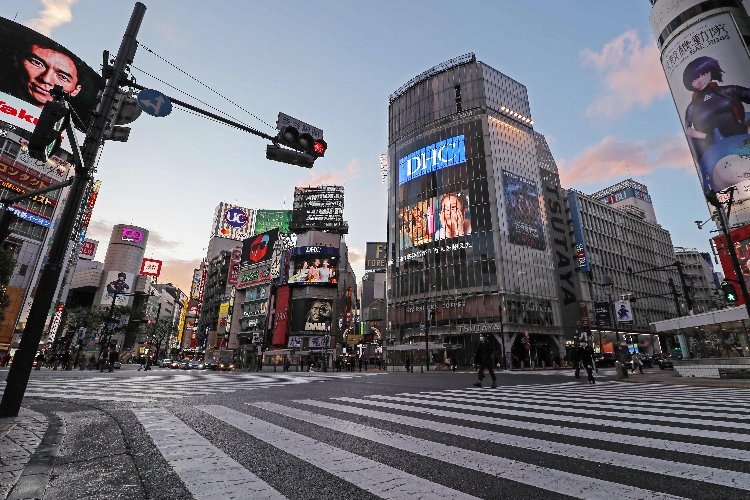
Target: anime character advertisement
{"type": "Point", "coordinates": [522, 211]}
{"type": "Point", "coordinates": [708, 72]}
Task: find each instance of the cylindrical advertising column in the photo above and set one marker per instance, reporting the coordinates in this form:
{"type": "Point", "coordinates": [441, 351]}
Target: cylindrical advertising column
{"type": "Point", "coordinates": [707, 66]}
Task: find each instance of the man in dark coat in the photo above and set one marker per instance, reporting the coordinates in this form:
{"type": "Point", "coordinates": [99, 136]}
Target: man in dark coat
{"type": "Point", "coordinates": [588, 361]}
{"type": "Point", "coordinates": [113, 356]}
{"type": "Point", "coordinates": [576, 355]}
{"type": "Point", "coordinates": [484, 360]}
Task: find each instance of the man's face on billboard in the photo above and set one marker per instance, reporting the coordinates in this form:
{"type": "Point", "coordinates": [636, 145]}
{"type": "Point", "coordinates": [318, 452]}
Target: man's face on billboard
{"type": "Point", "coordinates": [43, 68]}
{"type": "Point", "coordinates": [320, 311]}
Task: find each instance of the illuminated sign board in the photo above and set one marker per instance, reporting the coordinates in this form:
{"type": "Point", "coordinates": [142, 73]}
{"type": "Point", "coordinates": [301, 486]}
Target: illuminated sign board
{"type": "Point", "coordinates": [131, 234]}
{"type": "Point", "coordinates": [88, 249]}
{"type": "Point", "coordinates": [312, 315]}
{"type": "Point", "coordinates": [232, 221]}
{"type": "Point", "coordinates": [259, 248]}
{"type": "Point", "coordinates": [376, 256]}
{"type": "Point", "coordinates": [150, 267]}
{"type": "Point", "coordinates": [249, 277]}
{"type": "Point", "coordinates": [431, 158]}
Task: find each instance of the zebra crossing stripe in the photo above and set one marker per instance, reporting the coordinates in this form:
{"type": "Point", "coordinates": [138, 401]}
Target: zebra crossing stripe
{"type": "Point", "coordinates": [664, 406]}
{"type": "Point", "coordinates": [629, 460]}
{"type": "Point", "coordinates": [562, 482]}
{"type": "Point", "coordinates": [206, 471]}
{"type": "Point", "coordinates": [499, 399]}
{"type": "Point", "coordinates": [652, 427]}
{"type": "Point", "coordinates": [369, 475]}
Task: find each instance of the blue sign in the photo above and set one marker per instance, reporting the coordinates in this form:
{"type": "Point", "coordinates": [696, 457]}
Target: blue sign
{"type": "Point", "coordinates": [433, 157]}
{"type": "Point", "coordinates": [235, 217]}
{"type": "Point", "coordinates": [154, 102]}
{"type": "Point", "coordinates": [29, 217]}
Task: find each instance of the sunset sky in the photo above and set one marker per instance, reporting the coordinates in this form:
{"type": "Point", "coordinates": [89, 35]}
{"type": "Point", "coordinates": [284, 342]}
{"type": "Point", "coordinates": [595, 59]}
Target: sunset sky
{"type": "Point", "coordinates": [591, 67]}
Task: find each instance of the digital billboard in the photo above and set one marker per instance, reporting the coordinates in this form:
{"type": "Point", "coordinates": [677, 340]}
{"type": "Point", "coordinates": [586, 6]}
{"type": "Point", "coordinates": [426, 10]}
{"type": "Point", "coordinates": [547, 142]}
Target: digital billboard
{"type": "Point", "coordinates": [232, 221]}
{"type": "Point", "coordinates": [319, 208]}
{"type": "Point", "coordinates": [708, 71]}
{"type": "Point", "coordinates": [312, 315]}
{"type": "Point", "coordinates": [265, 220]}
{"type": "Point", "coordinates": [522, 211]}
{"type": "Point", "coordinates": [118, 282]}
{"type": "Point", "coordinates": [259, 248]}
{"type": "Point", "coordinates": [441, 177]}
{"type": "Point", "coordinates": [31, 64]}
{"type": "Point", "coordinates": [316, 265]}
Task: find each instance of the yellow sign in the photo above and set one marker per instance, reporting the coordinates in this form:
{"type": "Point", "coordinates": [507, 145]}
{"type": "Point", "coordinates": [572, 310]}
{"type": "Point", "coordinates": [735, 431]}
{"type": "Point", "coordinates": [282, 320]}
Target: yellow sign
{"type": "Point", "coordinates": [353, 339]}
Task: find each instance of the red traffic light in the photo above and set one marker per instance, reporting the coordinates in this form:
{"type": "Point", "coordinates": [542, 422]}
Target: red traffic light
{"type": "Point", "coordinates": [319, 147]}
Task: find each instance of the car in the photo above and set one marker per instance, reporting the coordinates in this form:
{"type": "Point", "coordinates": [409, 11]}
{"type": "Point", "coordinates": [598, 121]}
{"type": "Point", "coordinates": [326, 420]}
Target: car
{"type": "Point", "coordinates": [185, 365]}
{"type": "Point", "coordinates": [164, 363]}
{"type": "Point", "coordinates": [174, 364]}
{"type": "Point", "coordinates": [210, 364]}
{"type": "Point", "coordinates": [666, 362]}
{"type": "Point", "coordinates": [225, 364]}
{"type": "Point", "coordinates": [196, 365]}
{"type": "Point", "coordinates": [117, 365]}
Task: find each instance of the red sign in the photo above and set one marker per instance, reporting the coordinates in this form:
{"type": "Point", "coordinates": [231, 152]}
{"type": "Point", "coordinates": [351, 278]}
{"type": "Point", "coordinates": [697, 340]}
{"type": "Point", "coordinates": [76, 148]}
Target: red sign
{"type": "Point", "coordinates": [234, 266]}
{"type": "Point", "coordinates": [150, 267]}
{"type": "Point", "coordinates": [741, 241]}
{"type": "Point", "coordinates": [281, 317]}
{"type": "Point", "coordinates": [88, 249]}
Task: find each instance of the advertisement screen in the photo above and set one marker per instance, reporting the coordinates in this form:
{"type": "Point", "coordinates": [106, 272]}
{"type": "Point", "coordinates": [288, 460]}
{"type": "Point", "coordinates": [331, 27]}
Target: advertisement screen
{"type": "Point", "coordinates": [708, 72]}
{"type": "Point", "coordinates": [312, 315]}
{"type": "Point", "coordinates": [313, 270]}
{"type": "Point", "coordinates": [232, 221]}
{"type": "Point", "coordinates": [259, 248]}
{"type": "Point", "coordinates": [118, 282]}
{"type": "Point", "coordinates": [31, 65]}
{"type": "Point", "coordinates": [265, 220]}
{"type": "Point", "coordinates": [436, 199]}
{"type": "Point", "coordinates": [522, 210]}
{"type": "Point", "coordinates": [623, 311]}
{"type": "Point", "coordinates": [281, 317]}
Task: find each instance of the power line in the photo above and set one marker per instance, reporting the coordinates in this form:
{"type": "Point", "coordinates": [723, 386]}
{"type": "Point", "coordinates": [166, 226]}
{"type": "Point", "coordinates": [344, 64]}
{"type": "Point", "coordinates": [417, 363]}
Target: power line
{"type": "Point", "coordinates": [209, 88]}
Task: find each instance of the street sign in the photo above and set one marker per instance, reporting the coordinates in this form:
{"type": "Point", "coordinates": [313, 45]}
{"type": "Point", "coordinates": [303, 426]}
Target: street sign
{"type": "Point", "coordinates": [284, 120]}
{"type": "Point", "coordinates": [154, 102]}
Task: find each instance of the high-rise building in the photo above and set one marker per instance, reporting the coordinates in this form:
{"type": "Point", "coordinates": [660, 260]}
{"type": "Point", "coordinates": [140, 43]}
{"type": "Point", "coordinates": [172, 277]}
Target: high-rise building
{"type": "Point", "coordinates": [477, 234]}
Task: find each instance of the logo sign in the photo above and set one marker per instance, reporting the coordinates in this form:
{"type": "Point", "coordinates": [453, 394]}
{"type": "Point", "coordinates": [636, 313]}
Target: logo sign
{"type": "Point", "coordinates": [376, 256]}
{"type": "Point", "coordinates": [154, 103]}
{"type": "Point", "coordinates": [131, 234]}
{"type": "Point", "coordinates": [236, 217]}
{"type": "Point", "coordinates": [294, 342]}
{"type": "Point", "coordinates": [56, 320]}
{"type": "Point", "coordinates": [88, 249]}
{"type": "Point", "coordinates": [431, 158]}
{"type": "Point", "coordinates": [319, 342]}
{"type": "Point", "coordinates": [150, 267]}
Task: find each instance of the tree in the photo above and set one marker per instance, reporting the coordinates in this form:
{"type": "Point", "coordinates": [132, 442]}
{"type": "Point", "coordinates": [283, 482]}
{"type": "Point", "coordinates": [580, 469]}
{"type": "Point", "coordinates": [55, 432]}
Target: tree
{"type": "Point", "coordinates": [7, 264]}
{"type": "Point", "coordinates": [159, 333]}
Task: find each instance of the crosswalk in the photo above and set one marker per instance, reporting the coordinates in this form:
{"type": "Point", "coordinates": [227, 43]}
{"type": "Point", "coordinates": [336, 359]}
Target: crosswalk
{"type": "Point", "coordinates": [610, 440]}
{"type": "Point", "coordinates": [150, 388]}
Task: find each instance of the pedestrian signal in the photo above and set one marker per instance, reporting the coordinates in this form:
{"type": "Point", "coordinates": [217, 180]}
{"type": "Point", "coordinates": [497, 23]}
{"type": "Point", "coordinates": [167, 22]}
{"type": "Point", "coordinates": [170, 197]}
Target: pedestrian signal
{"type": "Point", "coordinates": [730, 293]}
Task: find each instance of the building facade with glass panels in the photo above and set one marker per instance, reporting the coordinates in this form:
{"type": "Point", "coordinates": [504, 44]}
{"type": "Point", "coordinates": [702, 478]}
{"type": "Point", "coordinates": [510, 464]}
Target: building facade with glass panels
{"type": "Point", "coordinates": [477, 225]}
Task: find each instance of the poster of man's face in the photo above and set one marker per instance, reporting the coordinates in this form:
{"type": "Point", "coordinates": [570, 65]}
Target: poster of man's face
{"type": "Point", "coordinates": [117, 284]}
{"type": "Point", "coordinates": [312, 315]}
{"type": "Point", "coordinates": [32, 64]}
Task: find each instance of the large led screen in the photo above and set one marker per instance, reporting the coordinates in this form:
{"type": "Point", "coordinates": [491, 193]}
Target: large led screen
{"type": "Point", "coordinates": [522, 211]}
{"type": "Point", "coordinates": [708, 72]}
{"type": "Point", "coordinates": [312, 315]}
{"type": "Point", "coordinates": [265, 220]}
{"type": "Point", "coordinates": [259, 248]}
{"type": "Point", "coordinates": [30, 65]}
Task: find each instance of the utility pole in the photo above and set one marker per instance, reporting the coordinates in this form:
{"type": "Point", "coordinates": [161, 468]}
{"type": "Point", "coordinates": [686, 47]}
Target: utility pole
{"type": "Point", "coordinates": [18, 376]}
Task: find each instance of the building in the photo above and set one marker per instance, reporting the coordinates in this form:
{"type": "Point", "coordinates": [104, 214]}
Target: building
{"type": "Point", "coordinates": [477, 235]}
{"type": "Point", "coordinates": [702, 281]}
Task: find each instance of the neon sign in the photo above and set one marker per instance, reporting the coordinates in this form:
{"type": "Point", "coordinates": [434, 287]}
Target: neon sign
{"type": "Point", "coordinates": [433, 157]}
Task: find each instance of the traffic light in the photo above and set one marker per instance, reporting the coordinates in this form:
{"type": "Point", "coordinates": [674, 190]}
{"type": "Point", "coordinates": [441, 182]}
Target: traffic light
{"type": "Point", "coordinates": [730, 293]}
{"type": "Point", "coordinates": [125, 109]}
{"type": "Point", "coordinates": [47, 135]}
{"type": "Point", "coordinates": [305, 143]}
{"type": "Point", "coordinates": [283, 155]}
{"type": "Point", "coordinates": [7, 218]}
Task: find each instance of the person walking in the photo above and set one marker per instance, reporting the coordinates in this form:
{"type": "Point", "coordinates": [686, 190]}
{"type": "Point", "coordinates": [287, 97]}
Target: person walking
{"type": "Point", "coordinates": [484, 360]}
{"type": "Point", "coordinates": [576, 355]}
{"type": "Point", "coordinates": [587, 359]}
{"type": "Point", "coordinates": [113, 355]}
{"type": "Point", "coordinates": [407, 363]}
{"type": "Point", "coordinates": [103, 359]}
{"type": "Point", "coordinates": [635, 359]}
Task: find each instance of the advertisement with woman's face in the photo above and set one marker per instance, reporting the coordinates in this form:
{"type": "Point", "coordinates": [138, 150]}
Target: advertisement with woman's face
{"type": "Point", "coordinates": [313, 270]}
{"type": "Point", "coordinates": [708, 71]}
{"type": "Point", "coordinates": [32, 64]}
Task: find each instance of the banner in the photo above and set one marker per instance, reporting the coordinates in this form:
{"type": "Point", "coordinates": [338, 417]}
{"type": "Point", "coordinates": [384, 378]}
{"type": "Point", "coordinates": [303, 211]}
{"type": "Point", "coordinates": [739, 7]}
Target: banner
{"type": "Point", "coordinates": [624, 311]}
{"type": "Point", "coordinates": [281, 317]}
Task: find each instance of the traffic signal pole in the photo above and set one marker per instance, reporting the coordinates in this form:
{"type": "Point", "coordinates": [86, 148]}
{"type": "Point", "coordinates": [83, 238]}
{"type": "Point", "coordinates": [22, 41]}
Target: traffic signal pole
{"type": "Point", "coordinates": [18, 376]}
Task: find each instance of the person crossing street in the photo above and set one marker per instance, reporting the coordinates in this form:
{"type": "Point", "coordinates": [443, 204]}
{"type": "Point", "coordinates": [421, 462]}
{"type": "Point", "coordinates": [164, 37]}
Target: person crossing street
{"type": "Point", "coordinates": [485, 361]}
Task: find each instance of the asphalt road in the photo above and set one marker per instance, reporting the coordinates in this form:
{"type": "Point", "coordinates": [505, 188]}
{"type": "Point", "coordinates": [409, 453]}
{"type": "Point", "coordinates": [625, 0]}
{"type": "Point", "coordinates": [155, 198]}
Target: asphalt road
{"type": "Point", "coordinates": [196, 434]}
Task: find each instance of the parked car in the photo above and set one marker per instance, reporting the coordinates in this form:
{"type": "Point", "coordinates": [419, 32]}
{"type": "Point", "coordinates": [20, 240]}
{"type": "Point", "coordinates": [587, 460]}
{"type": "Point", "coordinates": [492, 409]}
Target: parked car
{"type": "Point", "coordinates": [185, 365]}
{"type": "Point", "coordinates": [117, 365]}
{"type": "Point", "coordinates": [225, 364]}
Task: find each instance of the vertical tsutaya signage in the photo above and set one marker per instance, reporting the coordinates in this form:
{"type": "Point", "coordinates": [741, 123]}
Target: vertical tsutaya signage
{"type": "Point", "coordinates": [30, 64]}
{"type": "Point", "coordinates": [376, 256]}
{"type": "Point", "coordinates": [433, 157]}
{"type": "Point", "coordinates": [522, 211]}
{"type": "Point", "coordinates": [581, 249]}
{"type": "Point", "coordinates": [708, 71]}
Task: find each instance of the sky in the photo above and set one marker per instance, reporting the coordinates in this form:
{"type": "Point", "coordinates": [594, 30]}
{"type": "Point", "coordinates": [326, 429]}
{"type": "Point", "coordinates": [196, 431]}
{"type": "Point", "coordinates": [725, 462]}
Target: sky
{"type": "Point", "coordinates": [591, 68]}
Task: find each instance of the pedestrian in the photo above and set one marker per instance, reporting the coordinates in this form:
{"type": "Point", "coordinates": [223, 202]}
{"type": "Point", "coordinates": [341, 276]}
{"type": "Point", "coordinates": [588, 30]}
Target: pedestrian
{"type": "Point", "coordinates": [587, 358]}
{"type": "Point", "coordinates": [287, 364]}
{"type": "Point", "coordinates": [39, 361]}
{"type": "Point", "coordinates": [92, 362]}
{"type": "Point", "coordinates": [576, 355]}
{"type": "Point", "coordinates": [483, 357]}
{"type": "Point", "coordinates": [103, 360]}
{"type": "Point", "coordinates": [636, 361]}
{"type": "Point", "coordinates": [113, 355]}
{"type": "Point", "coordinates": [407, 363]}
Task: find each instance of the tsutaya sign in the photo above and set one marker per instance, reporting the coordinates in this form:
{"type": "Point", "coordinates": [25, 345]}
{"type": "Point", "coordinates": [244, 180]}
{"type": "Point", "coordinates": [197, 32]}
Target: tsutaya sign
{"type": "Point", "coordinates": [430, 158]}
{"type": "Point", "coordinates": [480, 328]}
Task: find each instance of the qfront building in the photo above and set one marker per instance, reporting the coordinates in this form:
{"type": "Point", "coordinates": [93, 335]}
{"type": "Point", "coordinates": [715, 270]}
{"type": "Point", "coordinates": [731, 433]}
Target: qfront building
{"type": "Point", "coordinates": [477, 228]}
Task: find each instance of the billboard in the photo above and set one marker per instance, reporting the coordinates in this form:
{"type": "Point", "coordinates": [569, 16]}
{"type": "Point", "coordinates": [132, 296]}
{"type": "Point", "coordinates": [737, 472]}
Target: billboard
{"type": "Point", "coordinates": [581, 247]}
{"type": "Point", "coordinates": [234, 266]}
{"type": "Point", "coordinates": [118, 282]}
{"type": "Point", "coordinates": [254, 275]}
{"type": "Point", "coordinates": [741, 239]}
{"type": "Point", "coordinates": [31, 65]}
{"type": "Point", "coordinates": [265, 220]}
{"type": "Point", "coordinates": [319, 208]}
{"type": "Point", "coordinates": [441, 184]}
{"type": "Point", "coordinates": [150, 267]}
{"type": "Point", "coordinates": [522, 210]}
{"type": "Point", "coordinates": [312, 315]}
{"type": "Point", "coordinates": [259, 248]}
{"type": "Point", "coordinates": [376, 256]}
{"type": "Point", "coordinates": [88, 249]}
{"type": "Point", "coordinates": [195, 291]}
{"type": "Point", "coordinates": [232, 221]}
{"type": "Point", "coordinates": [708, 71]}
{"type": "Point", "coordinates": [623, 311]}
{"type": "Point", "coordinates": [315, 265]}
{"type": "Point", "coordinates": [281, 317]}
{"type": "Point", "coordinates": [601, 310]}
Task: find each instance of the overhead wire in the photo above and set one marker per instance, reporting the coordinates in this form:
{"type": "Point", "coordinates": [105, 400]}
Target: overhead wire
{"type": "Point", "coordinates": [203, 84]}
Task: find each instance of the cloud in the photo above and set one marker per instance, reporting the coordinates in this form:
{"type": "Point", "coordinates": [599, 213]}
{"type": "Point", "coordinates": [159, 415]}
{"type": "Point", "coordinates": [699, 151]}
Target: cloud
{"type": "Point", "coordinates": [321, 178]}
{"type": "Point", "coordinates": [356, 258]}
{"type": "Point", "coordinates": [54, 13]}
{"type": "Point", "coordinates": [179, 273]}
{"type": "Point", "coordinates": [611, 159]}
{"type": "Point", "coordinates": [632, 72]}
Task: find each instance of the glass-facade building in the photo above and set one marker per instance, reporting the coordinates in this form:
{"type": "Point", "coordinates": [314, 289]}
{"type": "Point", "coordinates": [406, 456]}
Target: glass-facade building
{"type": "Point", "coordinates": [474, 197]}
